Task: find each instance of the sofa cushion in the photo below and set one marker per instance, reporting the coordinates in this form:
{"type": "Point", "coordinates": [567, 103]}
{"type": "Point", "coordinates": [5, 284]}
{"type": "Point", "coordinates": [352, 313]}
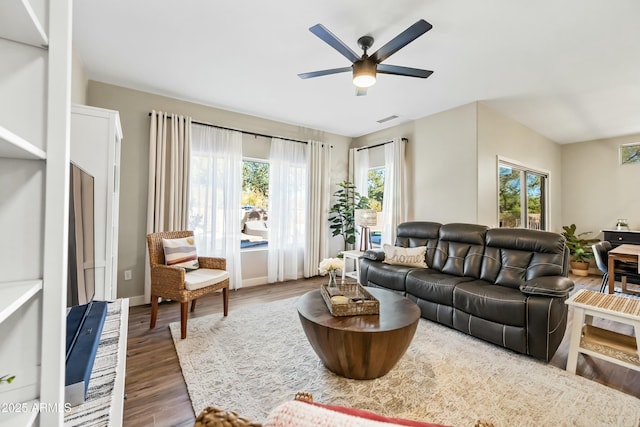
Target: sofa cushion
{"type": "Point", "coordinates": [432, 285]}
{"type": "Point", "coordinates": [495, 303]}
{"type": "Point", "coordinates": [419, 233]}
{"type": "Point", "coordinates": [412, 257]}
{"type": "Point", "coordinates": [460, 249]}
{"type": "Point", "coordinates": [386, 276]}
{"type": "Point", "coordinates": [514, 256]}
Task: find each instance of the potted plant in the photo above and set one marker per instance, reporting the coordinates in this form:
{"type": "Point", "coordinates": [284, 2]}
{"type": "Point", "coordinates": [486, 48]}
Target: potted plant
{"type": "Point", "coordinates": [341, 213]}
{"type": "Point", "coordinates": [579, 249]}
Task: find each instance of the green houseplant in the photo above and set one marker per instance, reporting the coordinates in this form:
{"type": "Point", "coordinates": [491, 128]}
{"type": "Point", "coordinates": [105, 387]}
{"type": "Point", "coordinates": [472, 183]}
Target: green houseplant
{"type": "Point", "coordinates": [341, 213]}
{"type": "Point", "coordinates": [579, 248]}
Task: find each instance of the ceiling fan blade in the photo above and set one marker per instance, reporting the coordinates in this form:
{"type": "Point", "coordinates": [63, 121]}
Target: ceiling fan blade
{"type": "Point", "coordinates": [328, 37]}
{"type": "Point", "coordinates": [403, 71]}
{"type": "Point", "coordinates": [324, 72]}
{"type": "Point", "coordinates": [401, 40]}
{"type": "Point", "coordinates": [361, 91]}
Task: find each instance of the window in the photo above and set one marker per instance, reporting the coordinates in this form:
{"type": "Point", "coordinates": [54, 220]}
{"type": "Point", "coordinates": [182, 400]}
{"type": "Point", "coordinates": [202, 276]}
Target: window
{"type": "Point", "coordinates": [522, 197]}
{"type": "Point", "coordinates": [375, 192]}
{"type": "Point", "coordinates": [630, 153]}
{"type": "Point", "coordinates": [255, 204]}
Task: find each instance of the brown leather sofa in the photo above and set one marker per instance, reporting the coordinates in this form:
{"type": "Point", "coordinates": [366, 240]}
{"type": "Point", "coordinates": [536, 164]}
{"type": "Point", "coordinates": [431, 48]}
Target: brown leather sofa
{"type": "Point", "coordinates": [506, 286]}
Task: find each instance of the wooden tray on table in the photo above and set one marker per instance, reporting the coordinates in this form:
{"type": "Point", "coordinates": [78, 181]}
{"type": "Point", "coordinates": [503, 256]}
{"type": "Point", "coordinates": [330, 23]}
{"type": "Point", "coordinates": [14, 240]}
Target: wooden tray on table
{"type": "Point", "coordinates": [349, 299]}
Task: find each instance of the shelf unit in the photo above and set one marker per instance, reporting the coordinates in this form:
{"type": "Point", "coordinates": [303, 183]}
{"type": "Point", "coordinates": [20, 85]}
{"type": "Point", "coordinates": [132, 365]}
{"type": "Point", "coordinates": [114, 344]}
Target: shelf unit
{"type": "Point", "coordinates": [35, 47]}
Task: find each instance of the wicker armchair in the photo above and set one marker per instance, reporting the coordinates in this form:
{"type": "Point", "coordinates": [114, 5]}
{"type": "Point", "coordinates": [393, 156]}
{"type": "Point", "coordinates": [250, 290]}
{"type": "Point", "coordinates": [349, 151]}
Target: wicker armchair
{"type": "Point", "coordinates": [169, 281]}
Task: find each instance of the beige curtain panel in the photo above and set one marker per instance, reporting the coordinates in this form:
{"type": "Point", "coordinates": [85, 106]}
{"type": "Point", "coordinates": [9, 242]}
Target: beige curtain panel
{"type": "Point", "coordinates": [168, 190]}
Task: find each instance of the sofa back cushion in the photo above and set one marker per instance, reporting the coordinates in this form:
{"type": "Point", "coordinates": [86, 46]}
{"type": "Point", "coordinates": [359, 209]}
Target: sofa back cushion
{"type": "Point", "coordinates": [514, 255]}
{"type": "Point", "coordinates": [419, 233]}
{"type": "Point", "coordinates": [460, 249]}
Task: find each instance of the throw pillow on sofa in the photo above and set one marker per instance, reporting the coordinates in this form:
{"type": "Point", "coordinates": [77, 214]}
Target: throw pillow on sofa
{"type": "Point", "coordinates": [411, 257]}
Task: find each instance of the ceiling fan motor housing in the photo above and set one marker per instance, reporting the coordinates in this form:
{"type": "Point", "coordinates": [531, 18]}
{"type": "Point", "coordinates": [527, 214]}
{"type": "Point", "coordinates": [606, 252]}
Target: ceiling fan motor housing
{"type": "Point", "coordinates": [364, 73]}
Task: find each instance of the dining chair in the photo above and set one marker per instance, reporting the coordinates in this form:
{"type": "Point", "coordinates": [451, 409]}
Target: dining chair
{"type": "Point", "coordinates": [176, 283]}
{"type": "Point", "coordinates": [601, 256]}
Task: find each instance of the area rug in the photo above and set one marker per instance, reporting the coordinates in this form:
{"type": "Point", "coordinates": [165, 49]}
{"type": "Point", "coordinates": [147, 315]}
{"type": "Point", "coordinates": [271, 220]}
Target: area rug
{"type": "Point", "coordinates": [259, 357]}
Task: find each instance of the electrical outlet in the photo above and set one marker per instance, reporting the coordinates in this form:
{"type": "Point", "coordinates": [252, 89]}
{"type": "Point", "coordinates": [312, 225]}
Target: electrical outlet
{"type": "Point", "coordinates": [127, 275]}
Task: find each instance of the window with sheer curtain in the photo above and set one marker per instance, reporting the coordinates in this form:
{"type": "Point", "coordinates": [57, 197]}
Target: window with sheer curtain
{"type": "Point", "coordinates": [214, 197]}
{"type": "Point", "coordinates": [288, 192]}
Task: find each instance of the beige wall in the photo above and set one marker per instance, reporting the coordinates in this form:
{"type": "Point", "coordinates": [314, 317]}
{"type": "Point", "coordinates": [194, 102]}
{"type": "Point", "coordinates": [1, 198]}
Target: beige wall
{"type": "Point", "coordinates": [501, 136]}
{"type": "Point", "coordinates": [79, 80]}
{"type": "Point", "coordinates": [452, 163]}
{"type": "Point", "coordinates": [596, 189]}
{"type": "Point", "coordinates": [134, 107]}
{"type": "Point", "coordinates": [441, 164]}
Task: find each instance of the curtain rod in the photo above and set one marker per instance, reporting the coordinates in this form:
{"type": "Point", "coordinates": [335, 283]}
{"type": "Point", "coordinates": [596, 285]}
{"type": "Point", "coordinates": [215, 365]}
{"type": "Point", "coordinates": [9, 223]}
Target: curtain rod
{"type": "Point", "coordinates": [243, 131]}
{"type": "Point", "coordinates": [379, 145]}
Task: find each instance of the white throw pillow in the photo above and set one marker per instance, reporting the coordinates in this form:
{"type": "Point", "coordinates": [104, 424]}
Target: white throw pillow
{"type": "Point", "coordinates": [412, 257]}
{"type": "Point", "coordinates": [181, 253]}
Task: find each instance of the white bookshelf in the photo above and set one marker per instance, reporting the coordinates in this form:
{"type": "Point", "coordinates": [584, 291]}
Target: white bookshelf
{"type": "Point", "coordinates": [24, 26]}
{"type": "Point", "coordinates": [14, 295]}
{"type": "Point", "coordinates": [35, 47]}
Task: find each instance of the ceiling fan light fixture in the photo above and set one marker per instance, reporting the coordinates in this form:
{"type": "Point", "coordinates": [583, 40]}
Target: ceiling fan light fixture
{"type": "Point", "coordinates": [364, 73]}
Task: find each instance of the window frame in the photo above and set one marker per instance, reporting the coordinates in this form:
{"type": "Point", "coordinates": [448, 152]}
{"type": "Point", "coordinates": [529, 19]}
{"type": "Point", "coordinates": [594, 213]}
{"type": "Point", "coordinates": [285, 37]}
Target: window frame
{"type": "Point", "coordinates": [620, 154]}
{"type": "Point", "coordinates": [545, 196]}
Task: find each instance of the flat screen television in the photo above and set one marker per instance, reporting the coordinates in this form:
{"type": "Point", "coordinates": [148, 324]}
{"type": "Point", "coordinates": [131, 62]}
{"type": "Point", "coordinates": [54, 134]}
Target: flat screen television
{"type": "Point", "coordinates": [85, 317]}
{"type": "Point", "coordinates": [81, 281]}
{"type": "Point", "coordinates": [81, 258]}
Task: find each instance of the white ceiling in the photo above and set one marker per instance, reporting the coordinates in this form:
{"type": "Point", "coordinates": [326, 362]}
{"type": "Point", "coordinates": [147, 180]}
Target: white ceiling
{"type": "Point", "coordinates": [569, 69]}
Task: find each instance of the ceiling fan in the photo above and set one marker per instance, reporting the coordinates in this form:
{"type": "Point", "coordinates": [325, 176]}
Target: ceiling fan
{"type": "Point", "coordinates": [365, 67]}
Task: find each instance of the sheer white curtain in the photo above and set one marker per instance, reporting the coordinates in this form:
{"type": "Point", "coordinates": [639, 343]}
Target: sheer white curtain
{"type": "Point", "coordinates": [394, 203]}
{"type": "Point", "coordinates": [168, 188]}
{"type": "Point", "coordinates": [287, 209]}
{"type": "Point", "coordinates": [361, 171]}
{"type": "Point", "coordinates": [317, 215]}
{"type": "Point", "coordinates": [215, 207]}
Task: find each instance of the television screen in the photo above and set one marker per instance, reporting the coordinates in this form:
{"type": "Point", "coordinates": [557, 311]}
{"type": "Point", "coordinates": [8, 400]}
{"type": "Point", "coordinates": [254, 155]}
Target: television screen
{"type": "Point", "coordinates": [81, 265]}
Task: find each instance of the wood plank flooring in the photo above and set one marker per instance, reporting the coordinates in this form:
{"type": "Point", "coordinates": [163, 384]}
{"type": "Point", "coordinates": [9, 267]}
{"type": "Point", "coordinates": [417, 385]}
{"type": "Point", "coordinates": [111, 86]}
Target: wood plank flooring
{"type": "Point", "coordinates": [156, 391]}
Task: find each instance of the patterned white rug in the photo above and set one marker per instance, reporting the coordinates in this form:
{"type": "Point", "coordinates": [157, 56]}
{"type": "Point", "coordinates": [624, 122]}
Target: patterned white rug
{"type": "Point", "coordinates": [259, 357]}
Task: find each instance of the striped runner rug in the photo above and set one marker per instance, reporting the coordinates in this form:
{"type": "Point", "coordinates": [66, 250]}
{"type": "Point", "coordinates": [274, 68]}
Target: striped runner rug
{"type": "Point", "coordinates": [95, 410]}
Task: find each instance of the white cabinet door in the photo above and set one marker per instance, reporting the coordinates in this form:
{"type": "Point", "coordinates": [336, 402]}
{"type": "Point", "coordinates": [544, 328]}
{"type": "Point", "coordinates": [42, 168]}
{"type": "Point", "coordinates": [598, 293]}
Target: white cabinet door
{"type": "Point", "coordinates": [95, 147]}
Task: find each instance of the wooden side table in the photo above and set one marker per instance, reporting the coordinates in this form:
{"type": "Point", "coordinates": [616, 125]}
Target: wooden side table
{"type": "Point", "coordinates": [602, 343]}
{"type": "Point", "coordinates": [355, 273]}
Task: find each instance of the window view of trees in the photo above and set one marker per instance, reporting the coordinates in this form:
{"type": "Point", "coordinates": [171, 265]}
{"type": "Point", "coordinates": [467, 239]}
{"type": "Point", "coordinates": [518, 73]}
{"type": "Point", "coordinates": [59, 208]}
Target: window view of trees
{"type": "Point", "coordinates": [376, 188]}
{"type": "Point", "coordinates": [521, 198]}
{"type": "Point", "coordinates": [630, 153]}
{"type": "Point", "coordinates": [255, 184]}
{"type": "Point", "coordinates": [255, 204]}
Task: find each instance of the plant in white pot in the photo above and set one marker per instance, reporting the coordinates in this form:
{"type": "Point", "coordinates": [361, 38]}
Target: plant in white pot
{"type": "Point", "coordinates": [579, 248]}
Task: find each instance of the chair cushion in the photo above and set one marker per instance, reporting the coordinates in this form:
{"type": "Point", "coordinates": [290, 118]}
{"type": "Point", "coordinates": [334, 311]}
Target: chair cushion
{"type": "Point", "coordinates": [181, 253]}
{"type": "Point", "coordinates": [203, 277]}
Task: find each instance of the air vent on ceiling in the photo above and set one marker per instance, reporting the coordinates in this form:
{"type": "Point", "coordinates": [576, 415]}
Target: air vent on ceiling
{"type": "Point", "coordinates": [386, 119]}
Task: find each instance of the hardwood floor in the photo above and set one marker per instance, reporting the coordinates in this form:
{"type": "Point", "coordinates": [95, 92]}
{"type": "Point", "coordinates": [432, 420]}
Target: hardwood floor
{"type": "Point", "coordinates": [157, 394]}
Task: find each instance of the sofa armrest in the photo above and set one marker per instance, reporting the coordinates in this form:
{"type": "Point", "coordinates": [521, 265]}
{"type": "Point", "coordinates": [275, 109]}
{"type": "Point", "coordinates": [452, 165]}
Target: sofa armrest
{"type": "Point", "coordinates": [374, 254]}
{"type": "Point", "coordinates": [550, 286]}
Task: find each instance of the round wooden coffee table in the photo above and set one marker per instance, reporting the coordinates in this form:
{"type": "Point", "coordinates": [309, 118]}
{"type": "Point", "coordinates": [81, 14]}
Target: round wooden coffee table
{"type": "Point", "coordinates": [360, 347]}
